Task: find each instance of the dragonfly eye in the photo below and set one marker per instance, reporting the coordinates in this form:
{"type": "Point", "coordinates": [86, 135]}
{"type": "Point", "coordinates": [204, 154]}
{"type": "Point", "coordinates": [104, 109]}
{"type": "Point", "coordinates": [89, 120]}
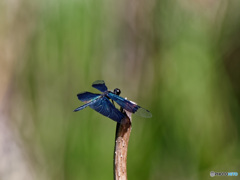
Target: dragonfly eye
{"type": "Point", "coordinates": [117, 91]}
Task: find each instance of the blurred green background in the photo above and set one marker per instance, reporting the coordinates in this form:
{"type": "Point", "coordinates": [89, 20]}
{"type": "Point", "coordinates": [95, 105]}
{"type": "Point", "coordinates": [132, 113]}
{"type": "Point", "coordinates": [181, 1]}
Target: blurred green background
{"type": "Point", "coordinates": [178, 59]}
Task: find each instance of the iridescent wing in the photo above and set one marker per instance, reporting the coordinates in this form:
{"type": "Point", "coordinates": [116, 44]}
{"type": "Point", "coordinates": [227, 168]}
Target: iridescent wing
{"type": "Point", "coordinates": [87, 96]}
{"type": "Point", "coordinates": [87, 104]}
{"type": "Point", "coordinates": [100, 85]}
{"type": "Point", "coordinates": [100, 104]}
{"type": "Point", "coordinates": [129, 106]}
{"type": "Point", "coordinates": [106, 108]}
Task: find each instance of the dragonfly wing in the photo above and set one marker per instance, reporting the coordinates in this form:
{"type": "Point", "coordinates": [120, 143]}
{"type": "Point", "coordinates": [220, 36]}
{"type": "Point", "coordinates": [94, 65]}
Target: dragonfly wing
{"type": "Point", "coordinates": [100, 85]}
{"type": "Point", "coordinates": [87, 96]}
{"type": "Point", "coordinates": [86, 105]}
{"type": "Point", "coordinates": [143, 112]}
{"type": "Point", "coordinates": [106, 108]}
{"type": "Point", "coordinates": [124, 103]}
{"type": "Point", "coordinates": [130, 106]}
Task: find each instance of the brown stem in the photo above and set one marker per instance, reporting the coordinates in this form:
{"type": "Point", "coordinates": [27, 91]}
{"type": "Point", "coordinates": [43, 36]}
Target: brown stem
{"type": "Point", "coordinates": [123, 131]}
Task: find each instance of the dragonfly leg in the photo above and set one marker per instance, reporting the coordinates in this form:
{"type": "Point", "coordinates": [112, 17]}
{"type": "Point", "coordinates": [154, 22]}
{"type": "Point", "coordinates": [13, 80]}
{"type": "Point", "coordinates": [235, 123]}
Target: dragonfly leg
{"type": "Point", "coordinates": [121, 109]}
{"type": "Point", "coordinates": [113, 102]}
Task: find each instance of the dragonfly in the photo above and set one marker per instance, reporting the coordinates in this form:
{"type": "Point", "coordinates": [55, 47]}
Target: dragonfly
{"type": "Point", "coordinates": [102, 104]}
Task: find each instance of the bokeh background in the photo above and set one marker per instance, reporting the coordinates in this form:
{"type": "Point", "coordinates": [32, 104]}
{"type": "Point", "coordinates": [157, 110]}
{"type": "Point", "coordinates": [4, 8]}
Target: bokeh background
{"type": "Point", "coordinates": [179, 59]}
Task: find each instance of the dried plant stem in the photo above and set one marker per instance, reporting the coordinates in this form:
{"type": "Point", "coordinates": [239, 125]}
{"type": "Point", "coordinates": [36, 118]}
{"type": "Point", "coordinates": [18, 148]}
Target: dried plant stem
{"type": "Point", "coordinates": [123, 131]}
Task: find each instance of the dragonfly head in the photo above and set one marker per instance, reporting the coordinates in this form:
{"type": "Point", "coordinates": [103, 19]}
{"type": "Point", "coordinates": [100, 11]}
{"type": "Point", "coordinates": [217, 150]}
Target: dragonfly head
{"type": "Point", "coordinates": [117, 91]}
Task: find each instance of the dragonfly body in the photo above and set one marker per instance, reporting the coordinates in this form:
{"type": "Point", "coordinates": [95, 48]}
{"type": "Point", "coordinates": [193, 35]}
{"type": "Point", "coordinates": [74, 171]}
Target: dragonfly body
{"type": "Point", "coordinates": [101, 102]}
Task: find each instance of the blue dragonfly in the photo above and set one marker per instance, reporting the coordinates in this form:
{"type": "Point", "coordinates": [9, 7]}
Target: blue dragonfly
{"type": "Point", "coordinates": [101, 103]}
